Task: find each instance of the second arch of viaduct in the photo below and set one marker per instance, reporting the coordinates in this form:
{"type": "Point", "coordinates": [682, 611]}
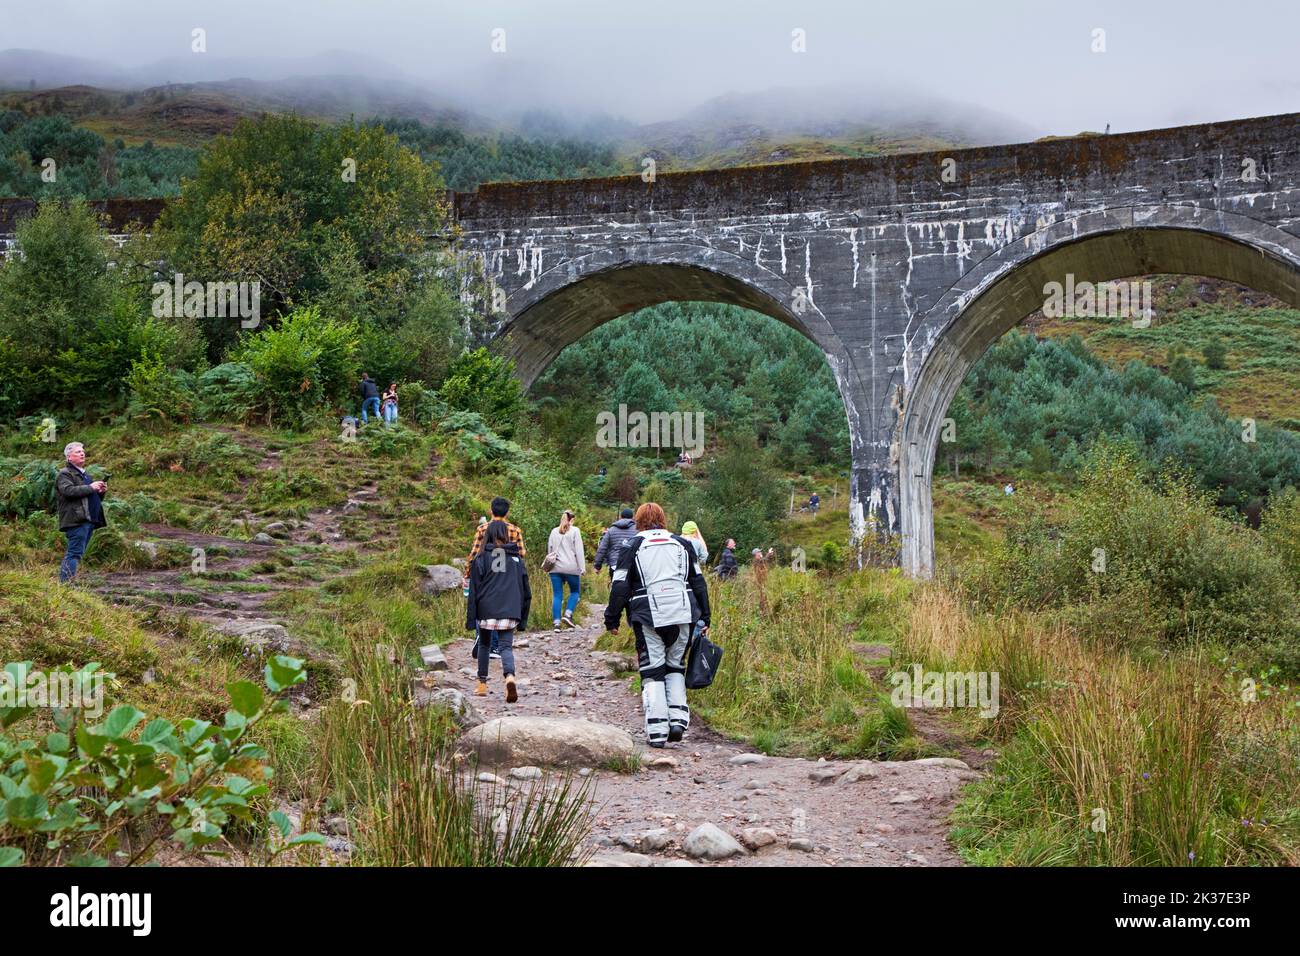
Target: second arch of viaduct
{"type": "Point", "coordinates": [902, 275]}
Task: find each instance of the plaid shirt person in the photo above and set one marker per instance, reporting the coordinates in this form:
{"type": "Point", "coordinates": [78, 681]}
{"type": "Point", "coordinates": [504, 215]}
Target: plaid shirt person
{"type": "Point", "coordinates": [516, 537]}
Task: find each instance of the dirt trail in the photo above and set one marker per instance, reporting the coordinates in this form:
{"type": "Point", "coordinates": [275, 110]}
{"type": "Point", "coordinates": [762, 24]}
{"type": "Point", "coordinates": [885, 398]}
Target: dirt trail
{"type": "Point", "coordinates": [895, 818]}
{"type": "Point", "coordinates": [241, 575]}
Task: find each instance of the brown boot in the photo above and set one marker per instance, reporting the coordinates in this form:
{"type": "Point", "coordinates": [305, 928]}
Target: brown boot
{"type": "Point", "coordinates": [512, 694]}
{"type": "Point", "coordinates": [481, 689]}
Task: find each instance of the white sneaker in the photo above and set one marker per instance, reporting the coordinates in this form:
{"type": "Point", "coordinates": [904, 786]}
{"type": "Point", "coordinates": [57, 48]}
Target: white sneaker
{"type": "Point", "coordinates": [557, 626]}
{"type": "Point", "coordinates": [567, 620]}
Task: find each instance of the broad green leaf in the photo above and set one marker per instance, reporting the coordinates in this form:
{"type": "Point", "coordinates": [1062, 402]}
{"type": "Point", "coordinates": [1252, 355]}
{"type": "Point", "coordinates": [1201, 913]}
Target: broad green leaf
{"type": "Point", "coordinates": [245, 697]}
{"type": "Point", "coordinates": [87, 859]}
{"type": "Point", "coordinates": [26, 812]}
{"type": "Point", "coordinates": [90, 742]}
{"type": "Point", "coordinates": [11, 856]}
{"type": "Point", "coordinates": [281, 821]}
{"type": "Point", "coordinates": [11, 715]}
{"type": "Point", "coordinates": [282, 672]}
{"type": "Point", "coordinates": [64, 816]}
{"type": "Point", "coordinates": [159, 733]}
{"type": "Point", "coordinates": [121, 721]}
{"type": "Point", "coordinates": [40, 773]}
{"type": "Point", "coordinates": [65, 718]}
{"type": "Point", "coordinates": [194, 730]}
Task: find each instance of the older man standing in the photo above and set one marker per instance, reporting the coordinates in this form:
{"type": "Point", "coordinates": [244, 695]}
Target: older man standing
{"type": "Point", "coordinates": [81, 507]}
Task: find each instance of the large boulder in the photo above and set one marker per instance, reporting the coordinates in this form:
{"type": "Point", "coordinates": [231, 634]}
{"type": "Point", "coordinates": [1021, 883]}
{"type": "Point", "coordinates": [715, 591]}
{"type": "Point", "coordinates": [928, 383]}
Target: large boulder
{"type": "Point", "coordinates": [439, 578]}
{"type": "Point", "coordinates": [549, 742]}
{"type": "Point", "coordinates": [261, 636]}
{"type": "Point", "coordinates": [464, 713]}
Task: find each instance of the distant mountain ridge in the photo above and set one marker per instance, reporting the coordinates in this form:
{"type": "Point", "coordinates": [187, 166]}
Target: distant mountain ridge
{"type": "Point", "coordinates": [186, 100]}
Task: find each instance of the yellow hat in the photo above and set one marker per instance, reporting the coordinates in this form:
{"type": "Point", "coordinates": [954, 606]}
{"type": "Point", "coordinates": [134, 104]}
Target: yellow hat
{"type": "Point", "coordinates": [690, 528]}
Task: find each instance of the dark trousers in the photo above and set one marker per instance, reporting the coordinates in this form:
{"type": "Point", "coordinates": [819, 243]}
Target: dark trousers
{"type": "Point", "coordinates": [78, 541]}
{"type": "Point", "coordinates": [505, 643]}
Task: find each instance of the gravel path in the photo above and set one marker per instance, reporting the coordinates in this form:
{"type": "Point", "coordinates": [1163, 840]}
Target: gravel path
{"type": "Point", "coordinates": [889, 813]}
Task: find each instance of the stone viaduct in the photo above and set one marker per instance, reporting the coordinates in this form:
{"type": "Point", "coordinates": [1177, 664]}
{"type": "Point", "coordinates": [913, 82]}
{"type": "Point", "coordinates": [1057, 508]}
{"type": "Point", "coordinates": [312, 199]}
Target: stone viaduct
{"type": "Point", "coordinates": [902, 269]}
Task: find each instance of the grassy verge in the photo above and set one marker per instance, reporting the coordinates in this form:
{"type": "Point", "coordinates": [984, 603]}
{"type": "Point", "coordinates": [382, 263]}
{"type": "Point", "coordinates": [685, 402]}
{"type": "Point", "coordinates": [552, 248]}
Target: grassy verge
{"type": "Point", "coordinates": [800, 651]}
{"type": "Point", "coordinates": [1114, 760]}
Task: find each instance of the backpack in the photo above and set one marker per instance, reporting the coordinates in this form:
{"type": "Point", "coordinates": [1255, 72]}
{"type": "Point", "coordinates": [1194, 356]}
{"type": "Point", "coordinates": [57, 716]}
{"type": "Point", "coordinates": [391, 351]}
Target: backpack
{"type": "Point", "coordinates": [662, 564]}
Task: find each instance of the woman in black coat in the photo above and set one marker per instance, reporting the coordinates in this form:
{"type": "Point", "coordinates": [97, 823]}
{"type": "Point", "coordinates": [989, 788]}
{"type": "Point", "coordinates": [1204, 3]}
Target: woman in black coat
{"type": "Point", "coordinates": [498, 602]}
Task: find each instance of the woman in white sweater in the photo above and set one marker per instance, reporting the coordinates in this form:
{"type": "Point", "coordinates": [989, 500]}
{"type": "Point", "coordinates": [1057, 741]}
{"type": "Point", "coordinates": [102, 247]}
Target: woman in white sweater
{"type": "Point", "coordinates": [565, 547]}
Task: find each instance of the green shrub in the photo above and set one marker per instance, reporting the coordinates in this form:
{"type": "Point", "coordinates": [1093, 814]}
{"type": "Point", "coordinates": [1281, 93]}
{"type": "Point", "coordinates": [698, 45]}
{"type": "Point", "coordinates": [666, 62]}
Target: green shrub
{"type": "Point", "coordinates": [480, 382]}
{"type": "Point", "coordinates": [228, 391]}
{"type": "Point", "coordinates": [304, 366]}
{"type": "Point", "coordinates": [159, 394]}
{"type": "Point", "coordinates": [419, 404]}
{"type": "Point", "coordinates": [28, 487]}
{"type": "Point", "coordinates": [206, 452]}
{"type": "Point", "coordinates": [1156, 542]}
{"type": "Point", "coordinates": [388, 441]}
{"type": "Point", "coordinates": [1280, 527]}
{"type": "Point", "coordinates": [73, 795]}
{"type": "Point", "coordinates": [742, 497]}
{"type": "Point", "coordinates": [475, 444]}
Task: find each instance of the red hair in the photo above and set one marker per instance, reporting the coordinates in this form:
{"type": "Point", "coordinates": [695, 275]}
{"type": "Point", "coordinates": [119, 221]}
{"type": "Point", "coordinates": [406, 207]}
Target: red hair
{"type": "Point", "coordinates": [650, 515]}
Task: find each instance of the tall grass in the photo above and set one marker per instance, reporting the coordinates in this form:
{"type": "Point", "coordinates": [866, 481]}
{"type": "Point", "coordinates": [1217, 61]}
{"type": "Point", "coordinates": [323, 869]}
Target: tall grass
{"type": "Point", "coordinates": [790, 679]}
{"type": "Point", "coordinates": [391, 768]}
{"type": "Point", "coordinates": [1113, 760]}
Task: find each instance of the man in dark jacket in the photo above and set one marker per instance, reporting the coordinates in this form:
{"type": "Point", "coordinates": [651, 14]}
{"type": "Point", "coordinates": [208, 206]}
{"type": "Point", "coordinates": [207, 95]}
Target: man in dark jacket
{"type": "Point", "coordinates": [369, 392]}
{"type": "Point", "coordinates": [727, 566]}
{"type": "Point", "coordinates": [659, 583]}
{"type": "Point", "coordinates": [613, 538]}
{"type": "Point", "coordinates": [498, 603]}
{"type": "Point", "coordinates": [80, 505]}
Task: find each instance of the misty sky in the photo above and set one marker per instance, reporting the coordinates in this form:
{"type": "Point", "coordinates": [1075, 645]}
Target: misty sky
{"type": "Point", "coordinates": [1166, 63]}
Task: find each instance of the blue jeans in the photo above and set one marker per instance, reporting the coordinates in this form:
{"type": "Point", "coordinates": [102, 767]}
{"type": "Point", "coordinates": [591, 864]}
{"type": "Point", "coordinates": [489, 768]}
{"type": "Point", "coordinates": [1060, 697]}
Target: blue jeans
{"type": "Point", "coordinates": [558, 581]}
{"type": "Point", "coordinates": [390, 413]}
{"type": "Point", "coordinates": [78, 541]}
{"type": "Point", "coordinates": [479, 634]}
{"type": "Point", "coordinates": [365, 405]}
{"type": "Point", "coordinates": [505, 642]}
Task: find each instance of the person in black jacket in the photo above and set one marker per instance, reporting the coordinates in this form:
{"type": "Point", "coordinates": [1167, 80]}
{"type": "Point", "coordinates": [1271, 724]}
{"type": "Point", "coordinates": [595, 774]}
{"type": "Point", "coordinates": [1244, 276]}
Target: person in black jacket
{"type": "Point", "coordinates": [658, 582]}
{"type": "Point", "coordinates": [612, 540]}
{"type": "Point", "coordinates": [369, 393]}
{"type": "Point", "coordinates": [727, 566]}
{"type": "Point", "coordinates": [498, 602]}
{"type": "Point", "coordinates": [80, 505]}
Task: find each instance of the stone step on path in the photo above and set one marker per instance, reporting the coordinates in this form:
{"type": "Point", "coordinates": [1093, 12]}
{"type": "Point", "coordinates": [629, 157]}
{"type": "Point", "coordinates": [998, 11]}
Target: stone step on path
{"type": "Point", "coordinates": [770, 811]}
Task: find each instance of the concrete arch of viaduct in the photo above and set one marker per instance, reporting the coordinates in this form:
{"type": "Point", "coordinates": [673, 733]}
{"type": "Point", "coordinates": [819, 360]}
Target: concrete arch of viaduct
{"type": "Point", "coordinates": [570, 300]}
{"type": "Point", "coordinates": [1007, 286]}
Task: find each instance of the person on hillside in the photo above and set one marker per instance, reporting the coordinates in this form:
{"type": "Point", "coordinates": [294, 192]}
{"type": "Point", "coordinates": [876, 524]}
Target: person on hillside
{"type": "Point", "coordinates": [565, 546]}
{"type": "Point", "coordinates": [369, 393]}
{"type": "Point", "coordinates": [500, 508]}
{"type": "Point", "coordinates": [498, 602]}
{"type": "Point", "coordinates": [814, 502]}
{"type": "Point", "coordinates": [80, 507]}
{"type": "Point", "coordinates": [658, 582]}
{"type": "Point", "coordinates": [691, 532]}
{"type": "Point", "coordinates": [390, 405]}
{"type": "Point", "coordinates": [727, 564]}
{"type": "Point", "coordinates": [612, 540]}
